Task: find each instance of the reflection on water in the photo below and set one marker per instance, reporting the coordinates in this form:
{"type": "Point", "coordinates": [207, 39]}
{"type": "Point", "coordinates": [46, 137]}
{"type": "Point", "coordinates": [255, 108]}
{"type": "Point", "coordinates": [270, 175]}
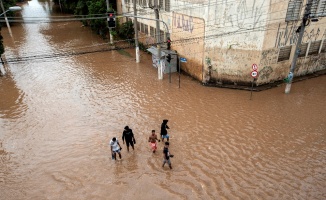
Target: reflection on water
{"type": "Point", "coordinates": [57, 115]}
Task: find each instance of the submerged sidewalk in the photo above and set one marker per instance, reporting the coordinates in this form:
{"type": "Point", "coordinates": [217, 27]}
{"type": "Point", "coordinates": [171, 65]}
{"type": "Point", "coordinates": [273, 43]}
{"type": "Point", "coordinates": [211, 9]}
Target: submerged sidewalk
{"type": "Point", "coordinates": [267, 86]}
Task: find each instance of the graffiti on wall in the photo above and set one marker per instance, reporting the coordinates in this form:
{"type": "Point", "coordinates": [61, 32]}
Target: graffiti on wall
{"type": "Point", "coordinates": [312, 63]}
{"type": "Point", "coordinates": [269, 57]}
{"type": "Point", "coordinates": [288, 35]}
{"type": "Point", "coordinates": [265, 73]}
{"type": "Point", "coordinates": [184, 22]}
{"type": "Point", "coordinates": [239, 17]}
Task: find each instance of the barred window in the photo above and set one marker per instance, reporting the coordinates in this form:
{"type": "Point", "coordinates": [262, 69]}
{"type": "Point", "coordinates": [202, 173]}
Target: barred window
{"type": "Point", "coordinates": [138, 26]}
{"type": "Point", "coordinates": [294, 9]}
{"type": "Point", "coordinates": [314, 47]}
{"type": "Point", "coordinates": [142, 28]}
{"type": "Point", "coordinates": [146, 29]}
{"type": "Point", "coordinates": [161, 5]}
{"type": "Point", "coordinates": [162, 36]}
{"type": "Point", "coordinates": [167, 5]}
{"type": "Point", "coordinates": [303, 50]}
{"type": "Point", "coordinates": [318, 8]}
{"type": "Point", "coordinates": [284, 53]}
{"type": "Point", "coordinates": [152, 32]}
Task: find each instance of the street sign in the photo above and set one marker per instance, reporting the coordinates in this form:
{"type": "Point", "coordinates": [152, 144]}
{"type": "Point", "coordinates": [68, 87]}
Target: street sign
{"type": "Point", "coordinates": [183, 60]}
{"type": "Point", "coordinates": [254, 74]}
{"type": "Point", "coordinates": [254, 67]}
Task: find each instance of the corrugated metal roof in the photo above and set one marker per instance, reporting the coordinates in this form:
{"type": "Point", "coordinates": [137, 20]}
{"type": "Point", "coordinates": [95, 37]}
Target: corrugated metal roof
{"type": "Point", "coordinates": [153, 50]}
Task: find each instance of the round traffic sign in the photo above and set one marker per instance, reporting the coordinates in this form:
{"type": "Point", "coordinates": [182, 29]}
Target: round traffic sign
{"type": "Point", "coordinates": [254, 74]}
{"type": "Point", "coordinates": [254, 67]}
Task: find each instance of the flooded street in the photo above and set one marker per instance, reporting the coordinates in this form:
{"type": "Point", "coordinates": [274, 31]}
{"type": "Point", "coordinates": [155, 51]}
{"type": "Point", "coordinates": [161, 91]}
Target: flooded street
{"type": "Point", "coordinates": [59, 112]}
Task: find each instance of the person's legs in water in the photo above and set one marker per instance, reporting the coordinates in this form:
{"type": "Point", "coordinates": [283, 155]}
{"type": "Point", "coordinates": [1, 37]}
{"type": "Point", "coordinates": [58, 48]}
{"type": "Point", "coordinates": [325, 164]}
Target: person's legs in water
{"type": "Point", "coordinates": [154, 147]}
{"type": "Point", "coordinates": [132, 145]}
{"type": "Point", "coordinates": [167, 161]}
{"type": "Point", "coordinates": [127, 143]}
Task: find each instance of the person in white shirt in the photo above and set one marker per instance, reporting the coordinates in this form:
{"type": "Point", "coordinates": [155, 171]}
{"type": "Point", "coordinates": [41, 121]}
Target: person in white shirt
{"type": "Point", "coordinates": [115, 148]}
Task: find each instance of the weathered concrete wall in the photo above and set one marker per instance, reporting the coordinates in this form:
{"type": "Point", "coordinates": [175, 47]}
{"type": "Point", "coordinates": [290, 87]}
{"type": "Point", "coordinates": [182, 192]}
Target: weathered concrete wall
{"type": "Point", "coordinates": [234, 40]}
{"type": "Point", "coordinates": [223, 39]}
{"type": "Point", "coordinates": [225, 66]}
{"type": "Point", "coordinates": [283, 34]}
{"type": "Point", "coordinates": [187, 38]}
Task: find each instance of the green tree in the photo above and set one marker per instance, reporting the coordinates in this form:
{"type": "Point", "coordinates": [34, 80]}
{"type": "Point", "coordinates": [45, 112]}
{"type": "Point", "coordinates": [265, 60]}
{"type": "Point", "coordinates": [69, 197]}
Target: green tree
{"type": "Point", "coordinates": [127, 31]}
{"type": "Point", "coordinates": [6, 5]}
{"type": "Point", "coordinates": [98, 25]}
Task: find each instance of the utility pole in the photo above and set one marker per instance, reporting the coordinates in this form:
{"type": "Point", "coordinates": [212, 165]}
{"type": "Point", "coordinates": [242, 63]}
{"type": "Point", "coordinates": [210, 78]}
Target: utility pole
{"type": "Point", "coordinates": [306, 16]}
{"type": "Point", "coordinates": [4, 13]}
{"type": "Point", "coordinates": [136, 33]}
{"type": "Point", "coordinates": [158, 40]}
{"type": "Point", "coordinates": [110, 29]}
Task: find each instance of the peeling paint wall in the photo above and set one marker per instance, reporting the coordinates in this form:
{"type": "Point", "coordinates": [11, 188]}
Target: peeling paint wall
{"type": "Point", "coordinates": [283, 34]}
{"type": "Point", "coordinates": [234, 40]}
{"type": "Point", "coordinates": [188, 40]}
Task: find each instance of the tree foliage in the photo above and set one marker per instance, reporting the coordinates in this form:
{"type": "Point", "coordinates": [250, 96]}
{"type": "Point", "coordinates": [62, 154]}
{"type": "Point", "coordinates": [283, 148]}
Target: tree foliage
{"type": "Point", "coordinates": [97, 7]}
{"type": "Point", "coordinates": [6, 5]}
{"type": "Point", "coordinates": [93, 8]}
{"type": "Point", "coordinates": [127, 31]}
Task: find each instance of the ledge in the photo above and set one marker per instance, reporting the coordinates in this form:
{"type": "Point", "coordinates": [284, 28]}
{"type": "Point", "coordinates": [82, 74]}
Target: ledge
{"type": "Point", "coordinates": [266, 86]}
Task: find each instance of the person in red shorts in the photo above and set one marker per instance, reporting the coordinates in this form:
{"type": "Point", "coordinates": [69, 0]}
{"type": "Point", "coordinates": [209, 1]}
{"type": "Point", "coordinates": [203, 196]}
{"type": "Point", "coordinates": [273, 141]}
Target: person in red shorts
{"type": "Point", "coordinates": [152, 139]}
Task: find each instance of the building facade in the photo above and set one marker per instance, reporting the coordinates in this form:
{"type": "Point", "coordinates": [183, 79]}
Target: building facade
{"type": "Point", "coordinates": [222, 39]}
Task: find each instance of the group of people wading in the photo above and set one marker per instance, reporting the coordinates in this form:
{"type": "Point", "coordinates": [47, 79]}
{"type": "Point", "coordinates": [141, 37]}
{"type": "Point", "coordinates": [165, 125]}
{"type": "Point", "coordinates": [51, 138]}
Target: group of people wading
{"type": "Point", "coordinates": [128, 137]}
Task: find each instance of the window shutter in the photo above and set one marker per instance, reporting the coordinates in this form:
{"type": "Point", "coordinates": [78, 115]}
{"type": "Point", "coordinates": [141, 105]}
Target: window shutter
{"type": "Point", "coordinates": [318, 8]}
{"type": "Point", "coordinates": [294, 9]}
{"type": "Point", "coordinates": [303, 50]}
{"type": "Point", "coordinates": [314, 47]}
{"type": "Point", "coordinates": [284, 53]}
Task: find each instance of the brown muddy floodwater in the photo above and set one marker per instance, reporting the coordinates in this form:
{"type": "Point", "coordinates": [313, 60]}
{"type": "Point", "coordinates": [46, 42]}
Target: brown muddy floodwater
{"type": "Point", "coordinates": [58, 113]}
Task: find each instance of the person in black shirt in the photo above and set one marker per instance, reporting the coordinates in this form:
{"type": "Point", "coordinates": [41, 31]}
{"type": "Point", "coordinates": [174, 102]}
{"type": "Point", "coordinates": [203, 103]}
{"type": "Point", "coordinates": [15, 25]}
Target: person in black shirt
{"type": "Point", "coordinates": [164, 132]}
{"type": "Point", "coordinates": [167, 155]}
{"type": "Point", "coordinates": [128, 135]}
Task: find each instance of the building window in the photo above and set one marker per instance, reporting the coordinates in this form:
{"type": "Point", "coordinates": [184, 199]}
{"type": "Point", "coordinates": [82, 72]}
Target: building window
{"type": "Point", "coordinates": [303, 50]}
{"type": "Point", "coordinates": [146, 29]}
{"type": "Point", "coordinates": [284, 53]}
{"type": "Point", "coordinates": [161, 4]}
{"type": "Point", "coordinates": [142, 28]}
{"type": "Point", "coordinates": [138, 26]}
{"type": "Point", "coordinates": [167, 5]}
{"type": "Point", "coordinates": [314, 47]}
{"type": "Point", "coordinates": [162, 36]}
{"type": "Point", "coordinates": [150, 3]}
{"type": "Point", "coordinates": [294, 9]}
{"type": "Point", "coordinates": [151, 31]}
{"type": "Point", "coordinates": [318, 8]}
{"type": "Point", "coordinates": [144, 3]}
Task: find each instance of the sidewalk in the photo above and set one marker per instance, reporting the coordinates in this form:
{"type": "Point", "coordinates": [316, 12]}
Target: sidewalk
{"type": "Point", "coordinates": [267, 86]}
